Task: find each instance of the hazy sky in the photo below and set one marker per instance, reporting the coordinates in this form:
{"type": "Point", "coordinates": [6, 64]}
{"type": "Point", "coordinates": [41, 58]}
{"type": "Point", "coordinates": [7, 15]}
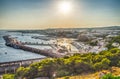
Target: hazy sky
{"type": "Point", "coordinates": [42, 14]}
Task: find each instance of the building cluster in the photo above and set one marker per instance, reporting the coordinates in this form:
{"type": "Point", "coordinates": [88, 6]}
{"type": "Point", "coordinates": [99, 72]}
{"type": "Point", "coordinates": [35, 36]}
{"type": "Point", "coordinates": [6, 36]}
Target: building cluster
{"type": "Point", "coordinates": [87, 40]}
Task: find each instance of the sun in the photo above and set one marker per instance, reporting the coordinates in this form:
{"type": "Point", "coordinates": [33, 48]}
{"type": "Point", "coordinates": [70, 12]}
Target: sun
{"type": "Point", "coordinates": [65, 7]}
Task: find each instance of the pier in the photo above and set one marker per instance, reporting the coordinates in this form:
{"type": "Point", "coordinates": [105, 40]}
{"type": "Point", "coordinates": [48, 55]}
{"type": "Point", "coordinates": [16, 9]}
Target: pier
{"type": "Point", "coordinates": [11, 67]}
{"type": "Point", "coordinates": [12, 42]}
{"type": "Point", "coordinates": [36, 43]}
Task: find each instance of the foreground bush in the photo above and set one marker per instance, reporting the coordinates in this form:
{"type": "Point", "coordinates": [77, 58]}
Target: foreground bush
{"type": "Point", "coordinates": [110, 76]}
{"type": "Point", "coordinates": [8, 76]}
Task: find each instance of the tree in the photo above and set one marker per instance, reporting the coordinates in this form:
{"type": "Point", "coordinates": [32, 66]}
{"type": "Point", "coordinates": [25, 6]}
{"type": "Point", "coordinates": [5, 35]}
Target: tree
{"type": "Point", "coordinates": [104, 64]}
{"type": "Point", "coordinates": [22, 72]}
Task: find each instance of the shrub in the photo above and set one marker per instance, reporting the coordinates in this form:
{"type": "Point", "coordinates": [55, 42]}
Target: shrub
{"type": "Point", "coordinates": [110, 76]}
{"type": "Point", "coordinates": [8, 76]}
{"type": "Point", "coordinates": [66, 77]}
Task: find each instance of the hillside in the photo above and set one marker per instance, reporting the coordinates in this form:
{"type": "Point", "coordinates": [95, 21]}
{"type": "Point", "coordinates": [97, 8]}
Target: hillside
{"type": "Point", "coordinates": [115, 71]}
{"type": "Point", "coordinates": [78, 64]}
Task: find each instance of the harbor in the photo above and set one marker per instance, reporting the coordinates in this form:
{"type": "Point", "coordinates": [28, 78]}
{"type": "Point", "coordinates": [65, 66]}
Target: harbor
{"type": "Point", "coordinates": [12, 42]}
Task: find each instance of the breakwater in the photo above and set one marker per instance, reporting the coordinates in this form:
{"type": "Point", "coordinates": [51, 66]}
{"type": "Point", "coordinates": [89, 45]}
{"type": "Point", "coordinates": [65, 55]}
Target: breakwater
{"type": "Point", "coordinates": [11, 67]}
{"type": "Point", "coordinates": [13, 42]}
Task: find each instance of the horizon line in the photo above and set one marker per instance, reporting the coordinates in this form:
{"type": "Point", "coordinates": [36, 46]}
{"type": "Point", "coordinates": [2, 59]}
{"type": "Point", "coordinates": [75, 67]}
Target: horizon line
{"type": "Point", "coordinates": [62, 28]}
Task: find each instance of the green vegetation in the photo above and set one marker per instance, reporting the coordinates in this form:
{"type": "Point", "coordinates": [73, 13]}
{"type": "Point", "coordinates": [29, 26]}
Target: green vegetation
{"type": "Point", "coordinates": [110, 76]}
{"type": "Point", "coordinates": [93, 43]}
{"type": "Point", "coordinates": [83, 38]}
{"type": "Point", "coordinates": [113, 40]}
{"type": "Point", "coordinates": [8, 76]}
{"type": "Point", "coordinates": [66, 77]}
{"type": "Point", "coordinates": [73, 65]}
{"type": "Point", "coordinates": [112, 73]}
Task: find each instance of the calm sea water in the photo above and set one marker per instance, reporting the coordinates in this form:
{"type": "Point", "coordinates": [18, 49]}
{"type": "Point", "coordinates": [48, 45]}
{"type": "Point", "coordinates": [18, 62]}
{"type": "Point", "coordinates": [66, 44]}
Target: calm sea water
{"type": "Point", "coordinates": [10, 54]}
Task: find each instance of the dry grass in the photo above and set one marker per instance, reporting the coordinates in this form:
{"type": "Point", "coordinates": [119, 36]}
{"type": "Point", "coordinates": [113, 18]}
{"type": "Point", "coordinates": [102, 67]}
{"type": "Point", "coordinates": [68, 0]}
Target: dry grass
{"type": "Point", "coordinates": [114, 70]}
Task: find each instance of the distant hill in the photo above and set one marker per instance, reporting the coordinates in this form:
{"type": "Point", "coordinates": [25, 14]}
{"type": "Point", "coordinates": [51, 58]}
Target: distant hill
{"type": "Point", "coordinates": [109, 28]}
{"type": "Point", "coordinates": [51, 29]}
{"type": "Point", "coordinates": [96, 28]}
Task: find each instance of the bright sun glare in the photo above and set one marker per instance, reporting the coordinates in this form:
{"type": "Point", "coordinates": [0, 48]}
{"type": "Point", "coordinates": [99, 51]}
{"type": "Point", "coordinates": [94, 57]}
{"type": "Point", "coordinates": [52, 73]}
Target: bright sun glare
{"type": "Point", "coordinates": [65, 7]}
